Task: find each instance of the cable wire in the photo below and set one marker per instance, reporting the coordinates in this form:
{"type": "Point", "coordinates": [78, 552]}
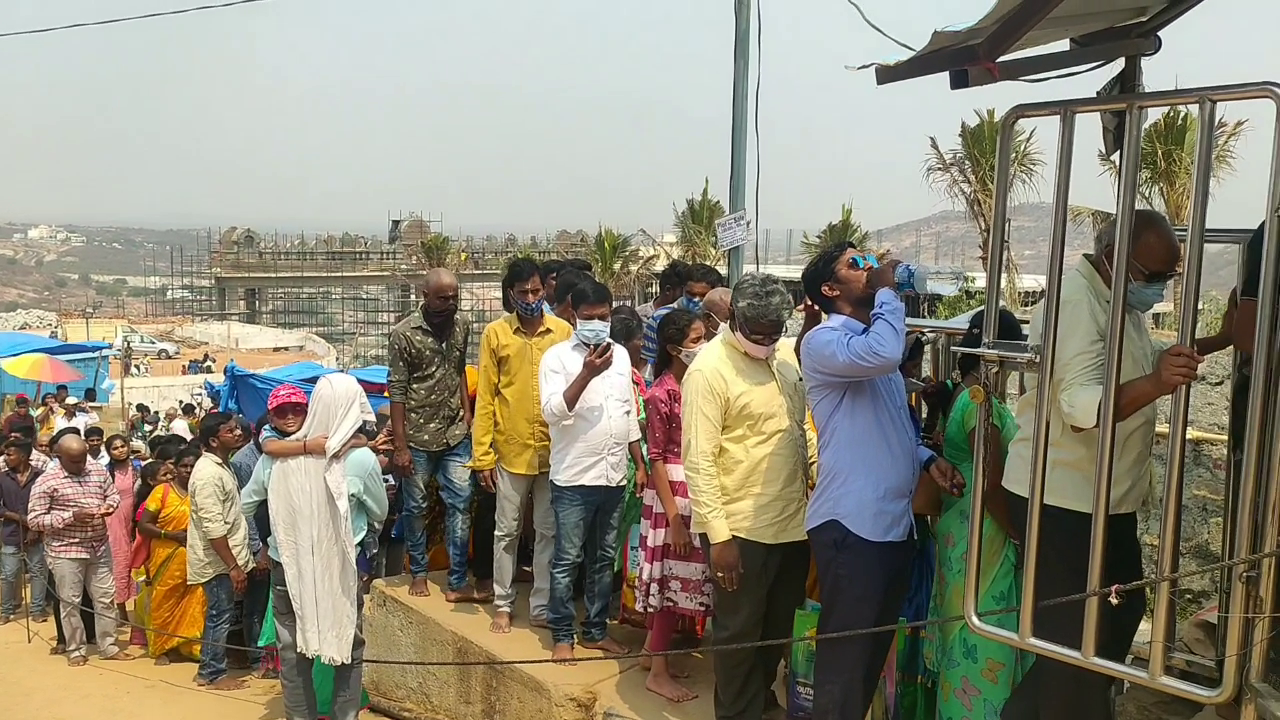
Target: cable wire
{"type": "Point", "coordinates": [1116, 592]}
{"type": "Point", "coordinates": [129, 18]}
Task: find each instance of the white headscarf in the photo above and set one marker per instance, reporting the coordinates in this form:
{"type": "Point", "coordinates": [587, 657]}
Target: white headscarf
{"type": "Point", "coordinates": [311, 522]}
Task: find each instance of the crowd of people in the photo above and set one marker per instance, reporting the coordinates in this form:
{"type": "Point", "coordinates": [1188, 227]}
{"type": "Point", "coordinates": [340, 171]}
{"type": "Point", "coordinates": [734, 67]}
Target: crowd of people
{"type": "Point", "coordinates": [755, 470]}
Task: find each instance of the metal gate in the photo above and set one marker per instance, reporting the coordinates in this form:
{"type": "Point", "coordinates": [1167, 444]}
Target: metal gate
{"type": "Point", "coordinates": [1252, 586]}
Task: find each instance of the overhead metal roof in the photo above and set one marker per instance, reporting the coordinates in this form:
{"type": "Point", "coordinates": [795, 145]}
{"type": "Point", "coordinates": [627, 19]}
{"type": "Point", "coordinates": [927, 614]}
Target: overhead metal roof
{"type": "Point", "coordinates": [1100, 32]}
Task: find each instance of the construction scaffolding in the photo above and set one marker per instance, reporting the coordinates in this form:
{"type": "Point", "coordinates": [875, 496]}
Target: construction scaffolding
{"type": "Point", "coordinates": [348, 289]}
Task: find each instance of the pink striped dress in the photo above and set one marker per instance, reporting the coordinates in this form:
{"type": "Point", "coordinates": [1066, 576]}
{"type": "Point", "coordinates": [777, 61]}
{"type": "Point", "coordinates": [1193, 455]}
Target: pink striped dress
{"type": "Point", "coordinates": [666, 581]}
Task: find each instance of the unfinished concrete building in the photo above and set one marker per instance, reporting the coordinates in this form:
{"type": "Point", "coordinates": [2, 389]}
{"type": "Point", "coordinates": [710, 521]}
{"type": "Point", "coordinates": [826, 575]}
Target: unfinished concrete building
{"type": "Point", "coordinates": [348, 289]}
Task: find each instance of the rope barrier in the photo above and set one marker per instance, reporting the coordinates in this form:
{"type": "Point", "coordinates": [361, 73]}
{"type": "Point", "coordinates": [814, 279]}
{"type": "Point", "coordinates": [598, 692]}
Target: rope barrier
{"type": "Point", "coordinates": [1113, 591]}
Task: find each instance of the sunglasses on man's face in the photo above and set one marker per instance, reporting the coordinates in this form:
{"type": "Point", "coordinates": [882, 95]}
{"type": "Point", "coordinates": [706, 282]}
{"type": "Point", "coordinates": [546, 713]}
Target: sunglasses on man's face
{"type": "Point", "coordinates": [863, 262]}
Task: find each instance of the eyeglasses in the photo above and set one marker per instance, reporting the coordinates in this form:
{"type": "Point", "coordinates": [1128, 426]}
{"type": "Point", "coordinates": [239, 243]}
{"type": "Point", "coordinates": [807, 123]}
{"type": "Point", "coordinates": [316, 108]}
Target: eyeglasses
{"type": "Point", "coordinates": [1151, 277]}
{"type": "Point", "coordinates": [863, 262]}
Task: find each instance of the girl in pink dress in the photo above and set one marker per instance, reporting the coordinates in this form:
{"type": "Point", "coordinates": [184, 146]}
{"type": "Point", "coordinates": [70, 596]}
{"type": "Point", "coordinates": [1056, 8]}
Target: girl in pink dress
{"type": "Point", "coordinates": [125, 472]}
{"type": "Point", "coordinates": [674, 578]}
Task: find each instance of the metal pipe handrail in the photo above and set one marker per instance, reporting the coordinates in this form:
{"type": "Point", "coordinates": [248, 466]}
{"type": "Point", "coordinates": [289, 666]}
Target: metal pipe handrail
{"type": "Point", "coordinates": [1163, 616]}
{"type": "Point", "coordinates": [1086, 655]}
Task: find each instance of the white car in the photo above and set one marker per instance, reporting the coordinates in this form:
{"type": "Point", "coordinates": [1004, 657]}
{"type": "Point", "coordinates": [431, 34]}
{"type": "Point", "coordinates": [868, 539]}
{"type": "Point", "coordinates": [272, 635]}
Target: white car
{"type": "Point", "coordinates": [145, 345]}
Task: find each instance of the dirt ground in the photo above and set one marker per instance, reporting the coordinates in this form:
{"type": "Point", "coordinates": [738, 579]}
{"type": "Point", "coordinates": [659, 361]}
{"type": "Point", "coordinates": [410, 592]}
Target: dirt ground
{"type": "Point", "coordinates": [247, 359]}
{"type": "Point", "coordinates": [36, 685]}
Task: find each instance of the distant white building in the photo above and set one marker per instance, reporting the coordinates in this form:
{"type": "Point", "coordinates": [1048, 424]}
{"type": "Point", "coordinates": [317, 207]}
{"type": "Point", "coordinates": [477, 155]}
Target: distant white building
{"type": "Point", "coordinates": [19, 236]}
{"type": "Point", "coordinates": [43, 232]}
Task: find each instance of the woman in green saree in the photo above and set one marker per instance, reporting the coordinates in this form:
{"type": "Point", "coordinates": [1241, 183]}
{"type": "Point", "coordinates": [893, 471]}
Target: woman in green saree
{"type": "Point", "coordinates": [976, 675]}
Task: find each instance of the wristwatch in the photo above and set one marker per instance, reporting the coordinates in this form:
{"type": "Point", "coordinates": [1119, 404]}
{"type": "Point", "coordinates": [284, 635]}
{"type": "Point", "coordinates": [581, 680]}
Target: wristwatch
{"type": "Point", "coordinates": [929, 463]}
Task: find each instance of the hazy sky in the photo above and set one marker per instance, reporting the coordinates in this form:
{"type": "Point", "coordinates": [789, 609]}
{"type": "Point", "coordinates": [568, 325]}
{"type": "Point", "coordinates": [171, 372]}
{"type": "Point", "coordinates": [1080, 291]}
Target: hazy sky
{"type": "Point", "coordinates": [326, 114]}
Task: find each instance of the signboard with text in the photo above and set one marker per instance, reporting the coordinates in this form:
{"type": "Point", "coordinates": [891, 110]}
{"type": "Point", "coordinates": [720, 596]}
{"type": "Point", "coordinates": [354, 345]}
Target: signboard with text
{"type": "Point", "coordinates": [733, 230]}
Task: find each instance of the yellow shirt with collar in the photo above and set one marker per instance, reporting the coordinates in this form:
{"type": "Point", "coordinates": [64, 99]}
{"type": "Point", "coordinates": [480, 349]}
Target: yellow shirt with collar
{"type": "Point", "coordinates": [1076, 395]}
{"type": "Point", "coordinates": [508, 428]}
{"type": "Point", "coordinates": [746, 450]}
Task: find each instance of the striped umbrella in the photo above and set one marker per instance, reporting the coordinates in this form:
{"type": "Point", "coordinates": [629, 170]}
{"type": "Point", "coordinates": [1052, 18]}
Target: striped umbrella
{"type": "Point", "coordinates": [41, 368]}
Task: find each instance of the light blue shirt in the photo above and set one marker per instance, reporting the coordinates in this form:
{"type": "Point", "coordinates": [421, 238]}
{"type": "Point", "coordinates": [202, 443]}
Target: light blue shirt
{"type": "Point", "coordinates": [869, 454]}
{"type": "Point", "coordinates": [365, 488]}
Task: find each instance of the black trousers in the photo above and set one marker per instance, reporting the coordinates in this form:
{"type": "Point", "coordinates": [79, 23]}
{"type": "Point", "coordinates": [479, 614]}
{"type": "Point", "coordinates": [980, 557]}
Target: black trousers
{"type": "Point", "coordinates": [86, 613]}
{"type": "Point", "coordinates": [483, 525]}
{"type": "Point", "coordinates": [864, 585]}
{"type": "Point", "coordinates": [1054, 690]}
{"type": "Point", "coordinates": [762, 608]}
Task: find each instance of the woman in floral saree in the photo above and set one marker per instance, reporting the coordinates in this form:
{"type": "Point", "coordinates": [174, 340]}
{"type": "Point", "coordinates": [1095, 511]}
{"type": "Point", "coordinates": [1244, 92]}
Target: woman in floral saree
{"type": "Point", "coordinates": [976, 675]}
{"type": "Point", "coordinates": [176, 608]}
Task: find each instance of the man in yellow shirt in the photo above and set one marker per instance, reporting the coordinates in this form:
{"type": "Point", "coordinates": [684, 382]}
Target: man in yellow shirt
{"type": "Point", "coordinates": [510, 445]}
{"type": "Point", "coordinates": [747, 462]}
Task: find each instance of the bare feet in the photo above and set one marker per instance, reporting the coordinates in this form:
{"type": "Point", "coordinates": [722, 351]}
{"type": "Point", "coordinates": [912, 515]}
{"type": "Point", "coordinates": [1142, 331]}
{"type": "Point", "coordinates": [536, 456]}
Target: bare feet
{"type": "Point", "coordinates": [646, 663]}
{"type": "Point", "coordinates": [40, 618]}
{"type": "Point", "coordinates": [78, 661]}
{"type": "Point", "coordinates": [118, 656]}
{"type": "Point", "coordinates": [162, 661]}
{"type": "Point", "coordinates": [418, 588]}
{"type": "Point", "coordinates": [226, 684]}
{"type": "Point", "coordinates": [539, 622]}
{"type": "Point", "coordinates": [266, 674]}
{"type": "Point", "coordinates": [501, 623]}
{"type": "Point", "coordinates": [562, 654]}
{"type": "Point", "coordinates": [484, 591]}
{"type": "Point", "coordinates": [662, 684]}
{"type": "Point", "coordinates": [608, 645]}
{"type": "Point", "coordinates": [58, 649]}
{"type": "Point", "coordinates": [464, 594]}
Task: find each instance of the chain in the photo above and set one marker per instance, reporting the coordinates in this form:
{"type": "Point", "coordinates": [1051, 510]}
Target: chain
{"type": "Point", "coordinates": [1114, 593]}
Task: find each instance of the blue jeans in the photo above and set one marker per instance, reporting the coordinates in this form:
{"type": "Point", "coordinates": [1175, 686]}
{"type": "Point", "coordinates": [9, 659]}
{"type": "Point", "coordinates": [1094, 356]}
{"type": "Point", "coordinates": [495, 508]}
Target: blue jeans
{"type": "Point", "coordinates": [220, 600]}
{"type": "Point", "coordinates": [11, 557]}
{"type": "Point", "coordinates": [449, 467]}
{"type": "Point", "coordinates": [586, 524]}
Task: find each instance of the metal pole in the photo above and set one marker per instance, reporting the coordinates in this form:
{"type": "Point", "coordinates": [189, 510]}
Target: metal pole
{"type": "Point", "coordinates": [1130, 155]}
{"type": "Point", "coordinates": [1171, 525]}
{"type": "Point", "coordinates": [741, 111]}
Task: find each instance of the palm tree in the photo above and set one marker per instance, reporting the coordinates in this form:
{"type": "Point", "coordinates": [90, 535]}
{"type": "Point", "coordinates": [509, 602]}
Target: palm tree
{"type": "Point", "coordinates": [1165, 170]}
{"type": "Point", "coordinates": [966, 175]}
{"type": "Point", "coordinates": [695, 226]}
{"type": "Point", "coordinates": [618, 260]}
{"type": "Point", "coordinates": [840, 233]}
{"type": "Point", "coordinates": [438, 250]}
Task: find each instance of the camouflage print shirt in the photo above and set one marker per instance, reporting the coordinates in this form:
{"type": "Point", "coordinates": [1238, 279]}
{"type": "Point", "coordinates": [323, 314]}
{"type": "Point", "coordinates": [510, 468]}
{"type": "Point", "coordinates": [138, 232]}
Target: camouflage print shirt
{"type": "Point", "coordinates": [426, 377]}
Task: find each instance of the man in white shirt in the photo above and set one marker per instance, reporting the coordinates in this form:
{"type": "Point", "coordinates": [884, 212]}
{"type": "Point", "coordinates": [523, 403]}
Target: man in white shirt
{"type": "Point", "coordinates": [1054, 690]}
{"type": "Point", "coordinates": [589, 406]}
{"type": "Point", "coordinates": [182, 426]}
{"type": "Point", "coordinates": [72, 416]}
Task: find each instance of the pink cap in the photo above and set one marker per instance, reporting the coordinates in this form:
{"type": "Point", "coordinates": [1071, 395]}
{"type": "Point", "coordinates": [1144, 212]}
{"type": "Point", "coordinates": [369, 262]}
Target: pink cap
{"type": "Point", "coordinates": [285, 395]}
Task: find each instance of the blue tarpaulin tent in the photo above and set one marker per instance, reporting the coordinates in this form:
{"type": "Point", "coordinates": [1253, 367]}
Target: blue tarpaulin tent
{"type": "Point", "coordinates": [90, 358]}
{"type": "Point", "coordinates": [246, 392]}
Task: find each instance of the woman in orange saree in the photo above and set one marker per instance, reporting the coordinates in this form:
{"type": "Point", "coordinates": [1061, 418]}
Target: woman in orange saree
{"type": "Point", "coordinates": [177, 609]}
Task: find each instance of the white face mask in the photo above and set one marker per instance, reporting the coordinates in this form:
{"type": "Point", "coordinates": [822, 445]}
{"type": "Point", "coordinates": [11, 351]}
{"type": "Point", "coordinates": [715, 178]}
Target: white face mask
{"type": "Point", "coordinates": [755, 350]}
{"type": "Point", "coordinates": [688, 354]}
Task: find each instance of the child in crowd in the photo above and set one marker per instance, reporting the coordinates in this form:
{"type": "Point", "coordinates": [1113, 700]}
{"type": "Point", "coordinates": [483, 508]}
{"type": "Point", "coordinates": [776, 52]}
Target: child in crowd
{"type": "Point", "coordinates": [674, 578]}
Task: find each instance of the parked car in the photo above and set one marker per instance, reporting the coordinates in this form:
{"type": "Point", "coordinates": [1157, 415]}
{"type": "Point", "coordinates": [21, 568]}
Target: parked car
{"type": "Point", "coordinates": [147, 345]}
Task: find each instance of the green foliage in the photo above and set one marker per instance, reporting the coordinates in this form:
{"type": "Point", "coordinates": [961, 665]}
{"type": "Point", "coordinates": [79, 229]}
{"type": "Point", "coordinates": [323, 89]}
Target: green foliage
{"type": "Point", "coordinates": [85, 278]}
{"type": "Point", "coordinates": [11, 260]}
{"type": "Point", "coordinates": [969, 298]}
{"type": "Point", "coordinates": [119, 281]}
{"type": "Point", "coordinates": [618, 260]}
{"type": "Point", "coordinates": [695, 227]}
{"type": "Point", "coordinates": [839, 233]}
{"type": "Point", "coordinates": [59, 282]}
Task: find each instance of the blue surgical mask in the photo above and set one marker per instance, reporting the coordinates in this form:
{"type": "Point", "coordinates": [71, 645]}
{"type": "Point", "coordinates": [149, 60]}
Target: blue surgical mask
{"type": "Point", "coordinates": [593, 332]}
{"type": "Point", "coordinates": [693, 305]}
{"type": "Point", "coordinates": [1143, 296]}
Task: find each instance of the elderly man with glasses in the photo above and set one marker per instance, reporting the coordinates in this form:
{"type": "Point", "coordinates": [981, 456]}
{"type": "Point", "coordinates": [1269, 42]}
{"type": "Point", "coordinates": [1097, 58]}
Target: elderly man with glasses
{"type": "Point", "coordinates": [1053, 690]}
{"type": "Point", "coordinates": [747, 458]}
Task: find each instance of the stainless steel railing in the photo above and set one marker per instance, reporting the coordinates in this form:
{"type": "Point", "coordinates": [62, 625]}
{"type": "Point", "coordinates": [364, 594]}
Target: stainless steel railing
{"type": "Point", "coordinates": [1233, 626]}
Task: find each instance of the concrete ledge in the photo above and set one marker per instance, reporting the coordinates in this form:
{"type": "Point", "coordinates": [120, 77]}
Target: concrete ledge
{"type": "Point", "coordinates": [399, 627]}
